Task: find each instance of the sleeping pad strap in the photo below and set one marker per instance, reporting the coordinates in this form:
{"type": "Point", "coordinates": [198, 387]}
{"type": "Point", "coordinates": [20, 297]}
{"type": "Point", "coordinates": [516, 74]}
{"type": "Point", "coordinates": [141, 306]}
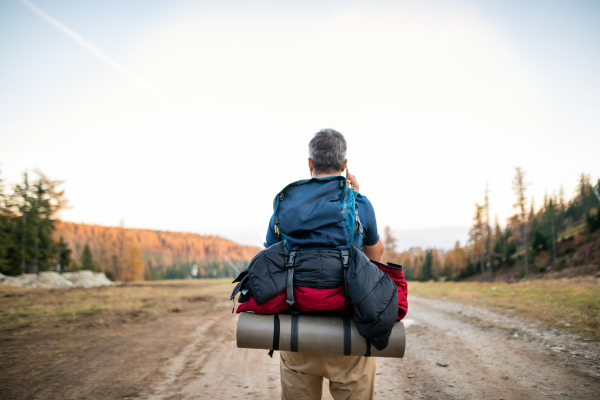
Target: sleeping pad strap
{"type": "Point", "coordinates": [347, 336]}
{"type": "Point", "coordinates": [276, 329]}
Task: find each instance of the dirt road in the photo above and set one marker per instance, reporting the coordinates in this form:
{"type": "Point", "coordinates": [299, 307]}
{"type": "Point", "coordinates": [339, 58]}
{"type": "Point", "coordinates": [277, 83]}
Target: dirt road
{"type": "Point", "coordinates": [453, 351]}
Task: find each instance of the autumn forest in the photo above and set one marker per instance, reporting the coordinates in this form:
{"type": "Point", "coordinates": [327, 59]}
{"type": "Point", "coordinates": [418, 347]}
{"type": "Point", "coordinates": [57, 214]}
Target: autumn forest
{"type": "Point", "coordinates": [560, 236]}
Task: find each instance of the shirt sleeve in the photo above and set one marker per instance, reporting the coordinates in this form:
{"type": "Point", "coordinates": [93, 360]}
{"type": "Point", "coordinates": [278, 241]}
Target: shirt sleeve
{"type": "Point", "coordinates": [368, 221]}
{"type": "Point", "coordinates": [271, 238]}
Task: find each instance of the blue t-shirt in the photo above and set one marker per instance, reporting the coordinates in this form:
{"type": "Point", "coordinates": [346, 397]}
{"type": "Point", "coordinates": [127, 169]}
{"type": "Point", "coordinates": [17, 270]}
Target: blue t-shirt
{"type": "Point", "coordinates": [366, 213]}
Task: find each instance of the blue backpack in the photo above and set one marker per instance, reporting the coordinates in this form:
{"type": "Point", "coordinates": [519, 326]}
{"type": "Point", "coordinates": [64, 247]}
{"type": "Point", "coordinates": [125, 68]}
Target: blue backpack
{"type": "Point", "coordinates": [318, 213]}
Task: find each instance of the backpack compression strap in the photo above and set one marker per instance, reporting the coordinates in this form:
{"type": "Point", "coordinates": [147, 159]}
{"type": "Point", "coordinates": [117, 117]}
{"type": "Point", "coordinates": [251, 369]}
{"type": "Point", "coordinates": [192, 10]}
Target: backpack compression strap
{"type": "Point", "coordinates": [359, 227]}
{"type": "Point", "coordinates": [290, 278]}
{"type": "Point", "coordinates": [346, 262]}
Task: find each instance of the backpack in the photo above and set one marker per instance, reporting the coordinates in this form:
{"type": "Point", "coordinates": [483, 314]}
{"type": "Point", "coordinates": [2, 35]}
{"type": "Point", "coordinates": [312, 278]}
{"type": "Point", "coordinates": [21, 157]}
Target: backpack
{"type": "Point", "coordinates": [318, 213]}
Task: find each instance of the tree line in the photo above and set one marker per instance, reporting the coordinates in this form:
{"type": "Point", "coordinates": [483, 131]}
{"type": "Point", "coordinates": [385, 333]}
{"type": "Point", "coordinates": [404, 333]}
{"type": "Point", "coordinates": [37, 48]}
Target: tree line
{"type": "Point", "coordinates": [29, 242]}
{"type": "Point", "coordinates": [535, 240]}
{"type": "Point", "coordinates": [166, 255]}
{"type": "Point", "coordinates": [33, 239]}
{"type": "Point", "coordinates": [27, 223]}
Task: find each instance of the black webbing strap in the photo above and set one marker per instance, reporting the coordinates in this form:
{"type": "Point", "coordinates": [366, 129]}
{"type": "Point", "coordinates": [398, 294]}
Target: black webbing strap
{"type": "Point", "coordinates": [294, 338]}
{"type": "Point", "coordinates": [347, 336]}
{"type": "Point", "coordinates": [368, 353]}
{"type": "Point", "coordinates": [289, 285]}
{"type": "Point", "coordinates": [345, 254]}
{"type": "Point", "coordinates": [276, 330]}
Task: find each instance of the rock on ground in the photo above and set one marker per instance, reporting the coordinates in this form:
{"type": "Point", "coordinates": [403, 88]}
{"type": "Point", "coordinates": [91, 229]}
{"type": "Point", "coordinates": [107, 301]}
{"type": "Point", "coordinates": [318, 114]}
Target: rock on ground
{"type": "Point", "coordinates": [51, 279]}
{"type": "Point", "coordinates": [87, 278]}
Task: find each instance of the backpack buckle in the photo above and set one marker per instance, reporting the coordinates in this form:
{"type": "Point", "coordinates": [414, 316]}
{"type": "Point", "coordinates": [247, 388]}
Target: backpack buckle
{"type": "Point", "coordinates": [290, 260]}
{"type": "Point", "coordinates": [345, 258]}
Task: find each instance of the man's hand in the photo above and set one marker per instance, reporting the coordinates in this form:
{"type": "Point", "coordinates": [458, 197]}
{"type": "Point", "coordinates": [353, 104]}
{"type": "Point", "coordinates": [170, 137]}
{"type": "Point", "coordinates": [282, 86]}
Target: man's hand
{"type": "Point", "coordinates": [352, 181]}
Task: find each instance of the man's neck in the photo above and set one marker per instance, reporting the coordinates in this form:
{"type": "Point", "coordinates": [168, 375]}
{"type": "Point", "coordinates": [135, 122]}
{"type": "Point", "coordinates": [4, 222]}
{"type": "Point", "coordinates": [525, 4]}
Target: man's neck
{"type": "Point", "coordinates": [323, 175]}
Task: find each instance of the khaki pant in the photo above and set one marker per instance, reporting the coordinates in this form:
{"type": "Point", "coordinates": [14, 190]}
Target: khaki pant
{"type": "Point", "coordinates": [350, 377]}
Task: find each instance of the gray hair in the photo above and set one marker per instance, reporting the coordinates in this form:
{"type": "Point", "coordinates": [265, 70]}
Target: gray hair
{"type": "Point", "coordinates": [327, 151]}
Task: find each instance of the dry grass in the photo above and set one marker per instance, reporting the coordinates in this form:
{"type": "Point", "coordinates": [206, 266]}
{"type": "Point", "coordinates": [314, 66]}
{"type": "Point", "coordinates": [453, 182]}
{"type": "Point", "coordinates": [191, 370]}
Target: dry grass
{"type": "Point", "coordinates": [570, 304]}
{"type": "Point", "coordinates": [31, 311]}
{"type": "Point", "coordinates": [46, 333]}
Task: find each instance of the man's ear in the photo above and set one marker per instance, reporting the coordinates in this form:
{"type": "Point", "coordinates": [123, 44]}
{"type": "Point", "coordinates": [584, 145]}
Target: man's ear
{"type": "Point", "coordinates": [311, 167]}
{"type": "Point", "coordinates": [345, 165]}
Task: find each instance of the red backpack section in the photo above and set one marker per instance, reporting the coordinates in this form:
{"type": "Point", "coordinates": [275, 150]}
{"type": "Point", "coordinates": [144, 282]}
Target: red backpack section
{"type": "Point", "coordinates": [394, 271]}
{"type": "Point", "coordinates": [305, 299]}
{"type": "Point", "coordinates": [311, 299]}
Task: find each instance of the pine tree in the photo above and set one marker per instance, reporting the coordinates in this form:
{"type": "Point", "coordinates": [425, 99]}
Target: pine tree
{"type": "Point", "coordinates": [63, 255]}
{"type": "Point", "coordinates": [427, 265]}
{"type": "Point", "coordinates": [37, 203]}
{"type": "Point", "coordinates": [7, 231]}
{"type": "Point", "coordinates": [87, 260]}
{"type": "Point", "coordinates": [477, 235]}
{"type": "Point", "coordinates": [519, 186]}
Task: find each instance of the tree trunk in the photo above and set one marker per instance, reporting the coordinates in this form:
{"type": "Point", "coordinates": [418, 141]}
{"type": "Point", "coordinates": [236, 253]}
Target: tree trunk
{"type": "Point", "coordinates": [525, 245]}
{"type": "Point", "coordinates": [489, 250]}
{"type": "Point", "coordinates": [482, 271]}
{"type": "Point", "coordinates": [23, 227]}
{"type": "Point", "coordinates": [553, 244]}
{"type": "Point", "coordinates": [33, 268]}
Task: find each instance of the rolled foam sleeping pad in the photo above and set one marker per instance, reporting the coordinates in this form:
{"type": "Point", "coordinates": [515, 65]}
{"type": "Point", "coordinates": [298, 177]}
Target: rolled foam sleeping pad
{"type": "Point", "coordinates": [315, 334]}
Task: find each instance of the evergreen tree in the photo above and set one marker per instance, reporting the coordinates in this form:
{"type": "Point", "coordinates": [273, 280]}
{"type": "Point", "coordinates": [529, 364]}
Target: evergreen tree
{"type": "Point", "coordinates": [550, 218]}
{"type": "Point", "coordinates": [593, 222]}
{"type": "Point", "coordinates": [477, 235]}
{"type": "Point", "coordinates": [427, 265]}
{"type": "Point", "coordinates": [87, 260]}
{"type": "Point", "coordinates": [63, 255]}
{"type": "Point", "coordinates": [519, 186]}
{"type": "Point", "coordinates": [7, 231]}
{"type": "Point", "coordinates": [499, 244]}
{"type": "Point", "coordinates": [37, 203]}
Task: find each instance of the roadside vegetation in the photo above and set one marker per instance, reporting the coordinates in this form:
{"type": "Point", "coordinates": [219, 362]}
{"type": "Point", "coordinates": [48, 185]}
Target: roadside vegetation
{"type": "Point", "coordinates": [560, 238]}
{"type": "Point", "coordinates": [567, 304]}
{"type": "Point", "coordinates": [33, 239]}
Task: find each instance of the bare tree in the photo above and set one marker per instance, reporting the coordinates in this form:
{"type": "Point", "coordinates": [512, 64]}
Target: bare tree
{"type": "Point", "coordinates": [476, 234]}
{"type": "Point", "coordinates": [488, 231]}
{"type": "Point", "coordinates": [519, 186]}
{"type": "Point", "coordinates": [390, 244]}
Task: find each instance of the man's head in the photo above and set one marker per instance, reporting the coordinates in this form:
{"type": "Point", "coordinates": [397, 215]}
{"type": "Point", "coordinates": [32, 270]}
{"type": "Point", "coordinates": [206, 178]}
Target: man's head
{"type": "Point", "coordinates": [327, 152]}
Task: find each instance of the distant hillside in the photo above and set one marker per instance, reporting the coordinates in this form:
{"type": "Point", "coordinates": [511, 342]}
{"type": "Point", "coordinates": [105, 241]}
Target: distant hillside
{"type": "Point", "coordinates": [161, 250]}
{"type": "Point", "coordinates": [559, 239]}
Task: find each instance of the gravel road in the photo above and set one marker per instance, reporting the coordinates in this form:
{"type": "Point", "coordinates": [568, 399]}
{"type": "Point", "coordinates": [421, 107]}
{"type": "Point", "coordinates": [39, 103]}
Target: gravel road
{"type": "Point", "coordinates": [454, 351]}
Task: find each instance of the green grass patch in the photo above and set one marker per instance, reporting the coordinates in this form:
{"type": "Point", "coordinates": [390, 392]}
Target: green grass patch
{"type": "Point", "coordinates": [571, 230]}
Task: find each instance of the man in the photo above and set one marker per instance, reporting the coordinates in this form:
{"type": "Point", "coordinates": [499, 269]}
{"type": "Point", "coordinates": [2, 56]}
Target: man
{"type": "Point", "coordinates": [349, 377]}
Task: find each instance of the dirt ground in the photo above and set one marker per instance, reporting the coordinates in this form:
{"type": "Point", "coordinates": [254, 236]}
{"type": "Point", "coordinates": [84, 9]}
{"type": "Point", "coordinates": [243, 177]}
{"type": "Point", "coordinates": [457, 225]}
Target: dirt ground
{"type": "Point", "coordinates": [454, 351]}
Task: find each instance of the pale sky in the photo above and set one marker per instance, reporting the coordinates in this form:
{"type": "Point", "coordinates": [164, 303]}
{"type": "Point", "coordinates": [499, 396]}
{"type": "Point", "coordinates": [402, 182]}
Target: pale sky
{"type": "Point", "coordinates": [192, 115]}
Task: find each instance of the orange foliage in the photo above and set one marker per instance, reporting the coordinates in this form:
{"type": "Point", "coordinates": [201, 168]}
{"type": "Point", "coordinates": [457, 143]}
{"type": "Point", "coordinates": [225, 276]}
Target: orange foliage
{"type": "Point", "coordinates": [123, 251]}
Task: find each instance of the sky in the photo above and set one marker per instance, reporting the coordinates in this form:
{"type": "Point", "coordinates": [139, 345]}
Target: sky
{"type": "Point", "coordinates": [192, 115]}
